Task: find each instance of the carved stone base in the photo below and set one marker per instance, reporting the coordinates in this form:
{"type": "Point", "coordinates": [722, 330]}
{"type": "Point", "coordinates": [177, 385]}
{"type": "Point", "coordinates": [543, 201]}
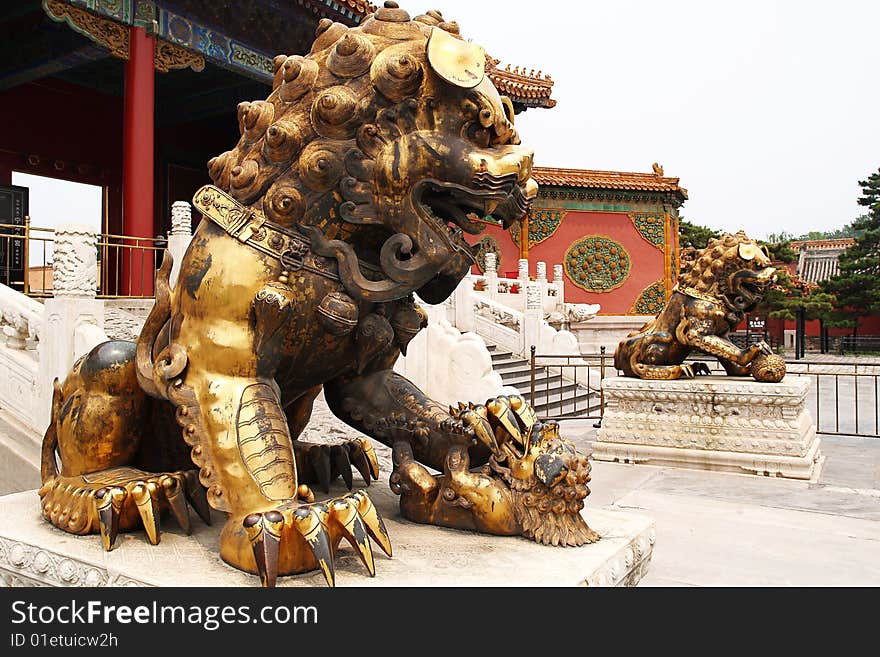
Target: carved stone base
{"type": "Point", "coordinates": [33, 553]}
{"type": "Point", "coordinates": [712, 423]}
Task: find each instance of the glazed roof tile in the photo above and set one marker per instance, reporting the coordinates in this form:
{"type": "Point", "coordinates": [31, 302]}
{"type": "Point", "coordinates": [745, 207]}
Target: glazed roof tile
{"type": "Point", "coordinates": [532, 89]}
{"type": "Point", "coordinates": [594, 179]}
{"type": "Point", "coordinates": [811, 245]}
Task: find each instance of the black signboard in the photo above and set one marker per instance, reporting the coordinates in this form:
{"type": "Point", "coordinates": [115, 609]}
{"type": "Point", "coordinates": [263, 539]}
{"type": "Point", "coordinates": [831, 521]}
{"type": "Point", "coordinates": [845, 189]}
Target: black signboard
{"type": "Point", "coordinates": [13, 209]}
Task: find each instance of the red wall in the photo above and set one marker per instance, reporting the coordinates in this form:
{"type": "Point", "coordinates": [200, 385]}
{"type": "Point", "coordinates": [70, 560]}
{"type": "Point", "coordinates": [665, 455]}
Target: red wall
{"type": "Point", "coordinates": [646, 260]}
{"type": "Point", "coordinates": [75, 132]}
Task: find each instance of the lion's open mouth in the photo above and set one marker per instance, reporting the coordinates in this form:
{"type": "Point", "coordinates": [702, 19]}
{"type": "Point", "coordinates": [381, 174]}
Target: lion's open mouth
{"type": "Point", "coordinates": [459, 209]}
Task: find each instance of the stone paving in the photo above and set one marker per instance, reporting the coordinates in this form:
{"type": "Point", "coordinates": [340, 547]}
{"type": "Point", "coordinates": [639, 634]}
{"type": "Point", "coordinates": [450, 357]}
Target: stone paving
{"type": "Point", "coordinates": [719, 529]}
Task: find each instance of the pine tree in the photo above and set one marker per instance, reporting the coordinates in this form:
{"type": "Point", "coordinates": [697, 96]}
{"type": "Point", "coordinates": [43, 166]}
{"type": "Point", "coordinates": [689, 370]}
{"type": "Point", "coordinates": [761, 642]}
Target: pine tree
{"type": "Point", "coordinates": [857, 286]}
{"type": "Point", "coordinates": [692, 236]}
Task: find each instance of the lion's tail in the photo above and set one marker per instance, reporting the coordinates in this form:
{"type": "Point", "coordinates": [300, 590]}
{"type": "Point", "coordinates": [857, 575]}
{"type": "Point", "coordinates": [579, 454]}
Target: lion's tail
{"type": "Point", "coordinates": [171, 360]}
{"type": "Point", "coordinates": [48, 465]}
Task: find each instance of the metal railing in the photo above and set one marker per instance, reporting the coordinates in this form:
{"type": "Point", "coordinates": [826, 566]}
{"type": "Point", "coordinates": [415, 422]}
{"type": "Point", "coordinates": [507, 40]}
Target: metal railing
{"type": "Point", "coordinates": [844, 397]}
{"type": "Point", "coordinates": [127, 265]}
{"type": "Point", "coordinates": [568, 386]}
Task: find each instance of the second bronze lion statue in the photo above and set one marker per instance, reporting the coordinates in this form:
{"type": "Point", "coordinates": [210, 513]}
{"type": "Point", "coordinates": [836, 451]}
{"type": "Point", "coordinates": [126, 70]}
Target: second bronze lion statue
{"type": "Point", "coordinates": [726, 280]}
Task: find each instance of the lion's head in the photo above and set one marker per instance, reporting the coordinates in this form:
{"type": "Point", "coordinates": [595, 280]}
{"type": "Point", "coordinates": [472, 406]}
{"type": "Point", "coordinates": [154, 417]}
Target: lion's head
{"type": "Point", "coordinates": [732, 268]}
{"type": "Point", "coordinates": [382, 145]}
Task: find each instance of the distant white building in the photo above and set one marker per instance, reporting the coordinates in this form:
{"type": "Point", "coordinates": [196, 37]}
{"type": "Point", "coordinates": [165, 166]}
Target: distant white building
{"type": "Point", "coordinates": [817, 259]}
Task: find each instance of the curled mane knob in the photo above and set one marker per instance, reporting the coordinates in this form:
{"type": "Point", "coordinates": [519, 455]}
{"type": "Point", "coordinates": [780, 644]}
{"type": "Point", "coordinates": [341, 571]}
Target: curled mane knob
{"type": "Point", "coordinates": [352, 56]}
{"type": "Point", "coordinates": [320, 166]}
{"type": "Point", "coordinates": [218, 169]}
{"type": "Point", "coordinates": [327, 33]}
{"type": "Point", "coordinates": [334, 113]}
{"type": "Point", "coordinates": [277, 64]}
{"type": "Point", "coordinates": [396, 73]}
{"type": "Point", "coordinates": [298, 74]}
{"type": "Point", "coordinates": [283, 204]}
{"type": "Point", "coordinates": [254, 118]}
{"type": "Point", "coordinates": [244, 180]}
{"type": "Point", "coordinates": [282, 140]}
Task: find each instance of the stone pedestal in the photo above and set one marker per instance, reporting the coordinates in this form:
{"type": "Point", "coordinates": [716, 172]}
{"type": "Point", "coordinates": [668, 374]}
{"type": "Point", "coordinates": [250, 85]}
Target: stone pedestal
{"type": "Point", "coordinates": [712, 423]}
{"type": "Point", "coordinates": [33, 553]}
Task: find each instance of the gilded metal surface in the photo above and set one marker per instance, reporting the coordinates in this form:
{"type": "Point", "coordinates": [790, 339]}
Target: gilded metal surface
{"type": "Point", "coordinates": [348, 191]}
{"type": "Point", "coordinates": [534, 484]}
{"type": "Point", "coordinates": [725, 281]}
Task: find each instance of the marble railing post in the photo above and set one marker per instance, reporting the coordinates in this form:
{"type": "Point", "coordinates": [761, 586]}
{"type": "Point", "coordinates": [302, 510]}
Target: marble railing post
{"type": "Point", "coordinates": [464, 305]}
{"type": "Point", "coordinates": [541, 280]}
{"type": "Point", "coordinates": [523, 273]}
{"type": "Point", "coordinates": [533, 317]}
{"type": "Point", "coordinates": [74, 318]}
{"type": "Point", "coordinates": [491, 275]}
{"type": "Point", "coordinates": [180, 236]}
{"type": "Point", "coordinates": [559, 281]}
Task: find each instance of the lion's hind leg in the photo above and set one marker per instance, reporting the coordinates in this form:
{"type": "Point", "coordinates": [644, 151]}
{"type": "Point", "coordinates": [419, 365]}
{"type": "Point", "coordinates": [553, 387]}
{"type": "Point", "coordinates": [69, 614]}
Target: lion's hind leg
{"type": "Point", "coordinates": [652, 359]}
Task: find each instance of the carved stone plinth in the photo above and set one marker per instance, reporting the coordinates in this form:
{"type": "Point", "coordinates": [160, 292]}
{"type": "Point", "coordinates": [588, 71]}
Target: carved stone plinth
{"type": "Point", "coordinates": [712, 423]}
{"type": "Point", "coordinates": [33, 553]}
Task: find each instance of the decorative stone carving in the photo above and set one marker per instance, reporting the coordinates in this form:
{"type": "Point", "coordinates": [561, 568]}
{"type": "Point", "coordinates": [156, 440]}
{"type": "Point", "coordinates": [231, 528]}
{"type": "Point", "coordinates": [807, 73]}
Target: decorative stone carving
{"type": "Point", "coordinates": [497, 315]}
{"type": "Point", "coordinates": [491, 264]}
{"type": "Point", "coordinates": [486, 245]}
{"type": "Point", "coordinates": [523, 269]}
{"type": "Point", "coordinates": [179, 237]}
{"type": "Point", "coordinates": [557, 273]}
{"type": "Point", "coordinates": [714, 423]}
{"type": "Point", "coordinates": [75, 262]}
{"type": "Point", "coordinates": [181, 218]}
{"type": "Point", "coordinates": [597, 264]}
{"type": "Point", "coordinates": [541, 272]}
{"type": "Point", "coordinates": [581, 312]}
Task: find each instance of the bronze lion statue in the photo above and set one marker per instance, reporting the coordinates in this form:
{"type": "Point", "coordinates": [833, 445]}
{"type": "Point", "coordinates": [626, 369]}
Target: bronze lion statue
{"type": "Point", "coordinates": [349, 190]}
{"type": "Point", "coordinates": [724, 281]}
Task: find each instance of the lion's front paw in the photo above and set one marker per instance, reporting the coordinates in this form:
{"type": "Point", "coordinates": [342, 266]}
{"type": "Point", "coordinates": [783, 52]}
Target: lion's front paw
{"type": "Point", "coordinates": [296, 538]}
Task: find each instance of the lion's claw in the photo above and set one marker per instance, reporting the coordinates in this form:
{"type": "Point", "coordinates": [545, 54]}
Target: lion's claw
{"type": "Point", "coordinates": [321, 526]}
{"type": "Point", "coordinates": [148, 494]}
{"type": "Point", "coordinates": [321, 463]}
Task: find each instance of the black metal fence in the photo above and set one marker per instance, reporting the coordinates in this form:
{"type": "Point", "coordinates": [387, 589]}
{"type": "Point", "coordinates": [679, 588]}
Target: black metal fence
{"type": "Point", "coordinates": [859, 344]}
{"type": "Point", "coordinates": [566, 386]}
{"type": "Point", "coordinates": [844, 397]}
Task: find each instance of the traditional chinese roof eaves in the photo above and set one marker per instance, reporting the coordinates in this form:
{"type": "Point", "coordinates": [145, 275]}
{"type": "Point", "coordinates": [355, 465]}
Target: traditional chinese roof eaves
{"type": "Point", "coordinates": [812, 245]}
{"type": "Point", "coordinates": [586, 178]}
{"type": "Point", "coordinates": [531, 90]}
{"type": "Point", "coordinates": [348, 12]}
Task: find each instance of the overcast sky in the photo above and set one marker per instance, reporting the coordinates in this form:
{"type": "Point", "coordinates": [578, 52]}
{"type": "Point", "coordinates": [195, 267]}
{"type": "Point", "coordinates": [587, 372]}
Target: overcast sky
{"type": "Point", "coordinates": [768, 111]}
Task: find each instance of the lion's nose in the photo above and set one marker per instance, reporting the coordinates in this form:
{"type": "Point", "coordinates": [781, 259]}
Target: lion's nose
{"type": "Point", "coordinates": [506, 161]}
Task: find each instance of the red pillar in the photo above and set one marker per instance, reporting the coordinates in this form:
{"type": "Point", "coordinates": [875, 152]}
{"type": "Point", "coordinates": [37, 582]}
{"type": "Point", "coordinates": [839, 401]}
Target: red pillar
{"type": "Point", "coordinates": [137, 165]}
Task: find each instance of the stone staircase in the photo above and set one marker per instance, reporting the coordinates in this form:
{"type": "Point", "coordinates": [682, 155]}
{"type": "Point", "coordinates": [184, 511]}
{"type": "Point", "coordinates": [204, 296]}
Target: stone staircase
{"type": "Point", "coordinates": [555, 397]}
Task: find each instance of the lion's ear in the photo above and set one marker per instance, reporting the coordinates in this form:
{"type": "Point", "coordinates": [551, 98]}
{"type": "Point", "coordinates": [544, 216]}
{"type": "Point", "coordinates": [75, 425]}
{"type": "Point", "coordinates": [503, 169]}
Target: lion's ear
{"type": "Point", "coordinates": [457, 61]}
{"type": "Point", "coordinates": [748, 251]}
